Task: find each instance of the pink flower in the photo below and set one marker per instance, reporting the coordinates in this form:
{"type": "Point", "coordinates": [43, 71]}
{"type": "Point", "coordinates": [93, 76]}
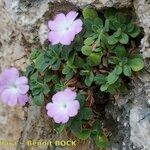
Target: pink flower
{"type": "Point", "coordinates": [13, 89]}
{"type": "Point", "coordinates": [63, 106]}
{"type": "Point", "coordinates": [64, 28]}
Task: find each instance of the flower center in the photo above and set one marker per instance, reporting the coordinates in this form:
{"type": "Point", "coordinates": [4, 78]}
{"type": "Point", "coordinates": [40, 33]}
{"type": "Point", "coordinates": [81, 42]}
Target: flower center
{"type": "Point", "coordinates": [66, 28]}
{"type": "Point", "coordinates": [14, 86]}
{"type": "Point", "coordinates": [65, 106]}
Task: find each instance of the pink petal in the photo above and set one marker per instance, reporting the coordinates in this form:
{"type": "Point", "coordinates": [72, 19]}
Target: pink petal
{"type": "Point", "coordinates": [58, 96]}
{"type": "Point", "coordinates": [23, 89]}
{"type": "Point", "coordinates": [48, 106]}
{"type": "Point", "coordinates": [22, 99]}
{"type": "Point", "coordinates": [63, 37]}
{"type": "Point", "coordinates": [69, 94]}
{"type": "Point", "coordinates": [8, 76]}
{"type": "Point", "coordinates": [61, 117]}
{"type": "Point", "coordinates": [71, 16]}
{"type": "Point", "coordinates": [60, 18]}
{"type": "Point", "coordinates": [1, 88]}
{"type": "Point", "coordinates": [64, 96]}
{"type": "Point", "coordinates": [77, 26]}
{"type": "Point", "coordinates": [58, 113]}
{"type": "Point", "coordinates": [52, 25]}
{"type": "Point", "coordinates": [22, 80]}
{"type": "Point", "coordinates": [54, 37]}
{"type": "Point", "coordinates": [73, 108]}
{"type": "Point", "coordinates": [53, 109]}
{"type": "Point", "coordinates": [9, 97]}
{"type": "Point", "coordinates": [67, 37]}
{"type": "Point", "coordinates": [14, 73]}
{"type": "Point", "coordinates": [57, 24]}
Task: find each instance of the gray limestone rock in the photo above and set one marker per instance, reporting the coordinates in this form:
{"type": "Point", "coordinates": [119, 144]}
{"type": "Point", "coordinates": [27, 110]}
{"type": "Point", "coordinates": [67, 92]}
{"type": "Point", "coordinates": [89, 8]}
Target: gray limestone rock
{"type": "Point", "coordinates": [23, 27]}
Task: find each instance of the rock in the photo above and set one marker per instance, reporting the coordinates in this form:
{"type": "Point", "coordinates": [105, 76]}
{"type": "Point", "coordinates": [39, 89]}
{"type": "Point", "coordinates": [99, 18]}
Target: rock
{"type": "Point", "coordinates": [142, 9]}
{"type": "Point", "coordinates": [23, 28]}
{"type": "Point", "coordinates": [99, 3]}
{"type": "Point", "coordinates": [140, 126]}
{"type": "Point", "coordinates": [43, 30]}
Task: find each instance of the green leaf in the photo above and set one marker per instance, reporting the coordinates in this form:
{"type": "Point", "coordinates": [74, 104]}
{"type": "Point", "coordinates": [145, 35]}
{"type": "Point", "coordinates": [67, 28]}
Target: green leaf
{"type": "Point", "coordinates": [46, 89]}
{"type": "Point", "coordinates": [39, 99]}
{"type": "Point", "coordinates": [112, 78]}
{"type": "Point", "coordinates": [81, 98]}
{"type": "Point", "coordinates": [95, 58]}
{"type": "Point", "coordinates": [104, 87]}
{"type": "Point", "coordinates": [118, 70]}
{"type": "Point", "coordinates": [135, 32]}
{"type": "Point", "coordinates": [120, 51]}
{"type": "Point", "coordinates": [113, 87]}
{"type": "Point", "coordinates": [110, 12]}
{"type": "Point", "coordinates": [89, 79]}
{"type": "Point", "coordinates": [88, 26]}
{"type": "Point", "coordinates": [127, 70]}
{"type": "Point", "coordinates": [36, 89]}
{"type": "Point", "coordinates": [95, 28]}
{"type": "Point", "coordinates": [69, 75]}
{"type": "Point", "coordinates": [123, 27]}
{"type": "Point", "coordinates": [114, 60]}
{"type": "Point", "coordinates": [68, 72]}
{"type": "Point", "coordinates": [112, 40]}
{"type": "Point", "coordinates": [100, 79]}
{"type": "Point", "coordinates": [78, 61]}
{"type": "Point", "coordinates": [59, 127]}
{"type": "Point", "coordinates": [89, 41]}
{"type": "Point", "coordinates": [71, 59]}
{"type": "Point", "coordinates": [40, 63]}
{"type": "Point", "coordinates": [89, 13]}
{"type": "Point", "coordinates": [83, 135]}
{"type": "Point", "coordinates": [86, 113]}
{"type": "Point", "coordinates": [97, 128]}
{"type": "Point", "coordinates": [120, 17]}
{"type": "Point", "coordinates": [101, 141]}
{"type": "Point", "coordinates": [76, 129]}
{"type": "Point", "coordinates": [117, 33]}
{"type": "Point", "coordinates": [136, 64]}
{"type": "Point", "coordinates": [47, 76]}
{"type": "Point", "coordinates": [98, 22]}
{"type": "Point", "coordinates": [124, 38]}
{"type": "Point", "coordinates": [86, 50]}
{"type": "Point", "coordinates": [56, 65]}
{"type": "Point", "coordinates": [34, 55]}
{"type": "Point", "coordinates": [65, 53]}
{"type": "Point", "coordinates": [55, 79]}
{"type": "Point", "coordinates": [66, 69]}
{"type": "Point", "coordinates": [106, 27]}
{"type": "Point", "coordinates": [56, 49]}
{"type": "Point", "coordinates": [34, 76]}
{"type": "Point", "coordinates": [59, 87]}
{"type": "Point", "coordinates": [51, 60]}
{"type": "Point", "coordinates": [97, 25]}
{"type": "Point", "coordinates": [29, 70]}
{"type": "Point", "coordinates": [116, 23]}
{"type": "Point", "coordinates": [71, 64]}
{"type": "Point", "coordinates": [130, 28]}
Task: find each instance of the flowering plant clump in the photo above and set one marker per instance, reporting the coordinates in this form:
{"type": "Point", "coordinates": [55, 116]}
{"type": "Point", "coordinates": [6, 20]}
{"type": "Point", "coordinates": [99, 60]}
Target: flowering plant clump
{"type": "Point", "coordinates": [13, 89]}
{"type": "Point", "coordinates": [102, 58]}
